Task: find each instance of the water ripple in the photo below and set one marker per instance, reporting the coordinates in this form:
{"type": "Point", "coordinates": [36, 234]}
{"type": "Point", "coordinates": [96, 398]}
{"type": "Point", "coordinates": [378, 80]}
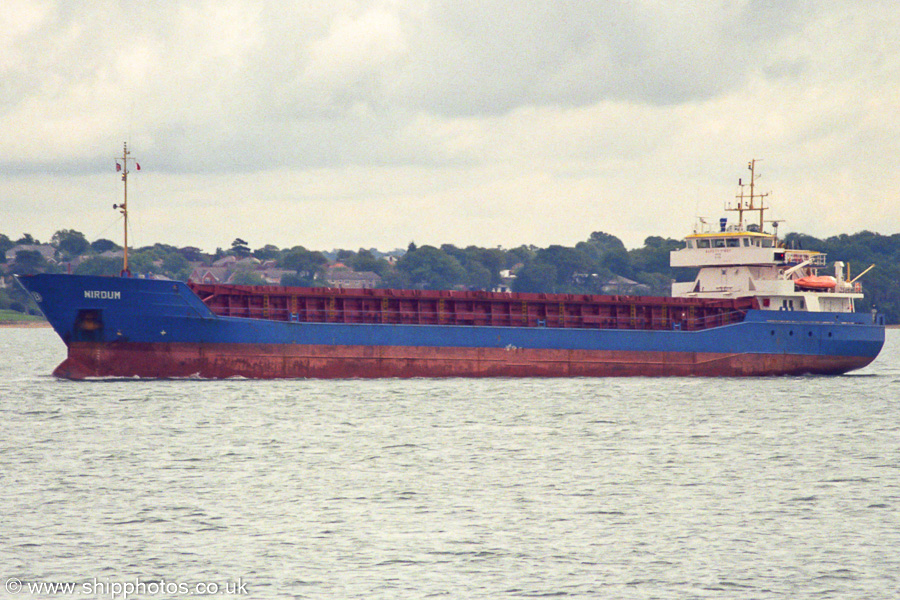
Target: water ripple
{"type": "Point", "coordinates": [621, 488]}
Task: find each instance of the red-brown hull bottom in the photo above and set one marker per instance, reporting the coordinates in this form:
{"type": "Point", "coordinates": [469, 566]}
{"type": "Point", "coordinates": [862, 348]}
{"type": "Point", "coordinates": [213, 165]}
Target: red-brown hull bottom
{"type": "Point", "coordinates": [274, 361]}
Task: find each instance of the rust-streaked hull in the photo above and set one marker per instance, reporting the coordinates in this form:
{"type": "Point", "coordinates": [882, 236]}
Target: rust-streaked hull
{"type": "Point", "coordinates": [273, 361]}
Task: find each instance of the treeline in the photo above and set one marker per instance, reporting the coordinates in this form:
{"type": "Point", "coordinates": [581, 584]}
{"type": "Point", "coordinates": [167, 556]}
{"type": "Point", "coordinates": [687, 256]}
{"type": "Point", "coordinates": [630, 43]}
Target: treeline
{"type": "Point", "coordinates": [600, 264]}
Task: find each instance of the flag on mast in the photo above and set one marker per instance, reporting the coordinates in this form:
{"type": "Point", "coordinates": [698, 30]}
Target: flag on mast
{"type": "Point", "coordinates": [137, 166]}
{"type": "Point", "coordinates": [118, 167]}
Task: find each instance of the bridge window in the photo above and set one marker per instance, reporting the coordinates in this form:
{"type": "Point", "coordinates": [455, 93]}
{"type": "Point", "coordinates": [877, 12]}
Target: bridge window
{"type": "Point", "coordinates": [733, 242]}
{"type": "Point", "coordinates": [703, 243]}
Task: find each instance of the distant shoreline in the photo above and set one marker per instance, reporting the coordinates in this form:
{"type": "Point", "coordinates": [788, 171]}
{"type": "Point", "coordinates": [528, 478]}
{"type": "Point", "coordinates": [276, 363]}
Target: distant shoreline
{"type": "Point", "coordinates": [24, 324]}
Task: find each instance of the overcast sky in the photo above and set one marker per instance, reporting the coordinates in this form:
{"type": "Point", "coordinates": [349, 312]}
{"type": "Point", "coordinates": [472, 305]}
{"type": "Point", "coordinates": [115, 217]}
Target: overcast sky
{"type": "Point", "coordinates": [347, 124]}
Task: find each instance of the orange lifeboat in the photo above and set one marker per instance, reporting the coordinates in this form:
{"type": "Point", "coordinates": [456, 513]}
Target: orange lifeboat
{"type": "Point", "coordinates": [816, 282]}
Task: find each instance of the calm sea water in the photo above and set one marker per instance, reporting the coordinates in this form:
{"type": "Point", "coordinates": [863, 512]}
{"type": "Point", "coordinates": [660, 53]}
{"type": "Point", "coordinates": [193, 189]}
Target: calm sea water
{"type": "Point", "coordinates": [582, 488]}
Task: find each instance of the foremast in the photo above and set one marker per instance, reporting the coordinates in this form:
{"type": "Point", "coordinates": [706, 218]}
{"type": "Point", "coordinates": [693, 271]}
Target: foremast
{"type": "Point", "coordinates": [123, 207]}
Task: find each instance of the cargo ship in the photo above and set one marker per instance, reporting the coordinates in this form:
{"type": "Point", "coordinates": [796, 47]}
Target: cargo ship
{"type": "Point", "coordinates": [755, 308]}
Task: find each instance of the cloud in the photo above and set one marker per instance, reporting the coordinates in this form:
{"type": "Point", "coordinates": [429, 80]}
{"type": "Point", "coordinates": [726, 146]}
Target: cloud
{"type": "Point", "coordinates": [488, 111]}
{"type": "Point", "coordinates": [212, 83]}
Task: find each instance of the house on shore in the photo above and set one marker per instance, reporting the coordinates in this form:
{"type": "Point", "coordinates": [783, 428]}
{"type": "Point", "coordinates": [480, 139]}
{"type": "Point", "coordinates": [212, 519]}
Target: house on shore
{"type": "Point", "coordinates": [340, 275]}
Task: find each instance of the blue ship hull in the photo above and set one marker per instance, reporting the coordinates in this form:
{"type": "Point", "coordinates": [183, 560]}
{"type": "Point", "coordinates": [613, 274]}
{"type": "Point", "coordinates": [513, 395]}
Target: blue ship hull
{"type": "Point", "coordinates": [124, 327]}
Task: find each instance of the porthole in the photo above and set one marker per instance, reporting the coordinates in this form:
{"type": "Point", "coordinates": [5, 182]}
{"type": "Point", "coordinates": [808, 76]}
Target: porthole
{"type": "Point", "coordinates": [791, 332]}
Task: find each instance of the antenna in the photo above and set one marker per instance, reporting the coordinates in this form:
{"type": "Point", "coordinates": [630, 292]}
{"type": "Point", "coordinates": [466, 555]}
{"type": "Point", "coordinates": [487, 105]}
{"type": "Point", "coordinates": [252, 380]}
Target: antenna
{"type": "Point", "coordinates": [702, 225]}
{"type": "Point", "coordinates": [123, 208]}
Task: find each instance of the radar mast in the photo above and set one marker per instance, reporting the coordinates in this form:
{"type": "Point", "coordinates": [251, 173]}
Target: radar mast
{"type": "Point", "coordinates": [747, 203]}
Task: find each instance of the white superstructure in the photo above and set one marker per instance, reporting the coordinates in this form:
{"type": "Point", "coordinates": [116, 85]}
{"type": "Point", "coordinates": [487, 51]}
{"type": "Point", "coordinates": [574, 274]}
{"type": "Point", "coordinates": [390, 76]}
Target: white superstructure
{"type": "Point", "coordinates": [743, 260]}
